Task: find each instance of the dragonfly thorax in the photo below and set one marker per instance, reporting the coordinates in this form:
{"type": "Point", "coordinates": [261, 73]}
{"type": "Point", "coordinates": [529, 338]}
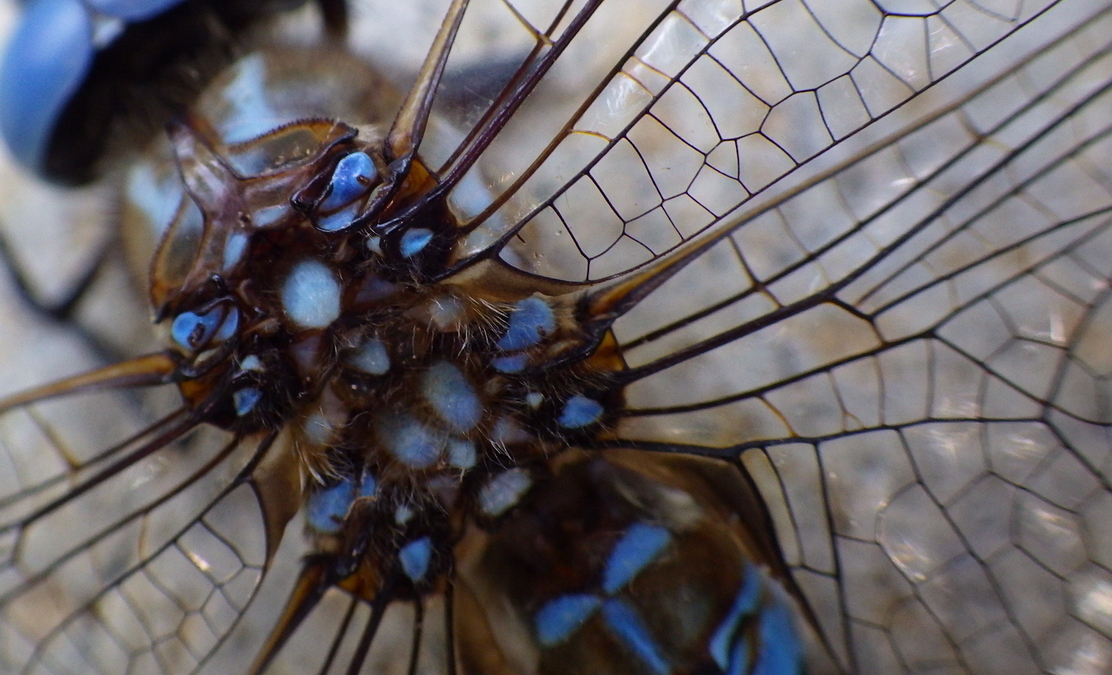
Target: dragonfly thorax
{"type": "Point", "coordinates": [407, 390]}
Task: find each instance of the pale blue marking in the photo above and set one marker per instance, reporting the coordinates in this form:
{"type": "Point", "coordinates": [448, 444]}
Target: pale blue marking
{"type": "Point", "coordinates": [233, 249]}
{"type": "Point", "coordinates": [246, 399]}
{"type": "Point", "coordinates": [534, 399]}
{"type": "Point", "coordinates": [625, 623]}
{"type": "Point", "coordinates": [326, 508]}
{"type": "Point", "coordinates": [269, 215]}
{"type": "Point", "coordinates": [503, 491]}
{"type": "Point", "coordinates": [745, 604]}
{"type": "Point", "coordinates": [318, 428]}
{"type": "Point", "coordinates": [350, 180]}
{"type": "Point", "coordinates": [510, 364]}
{"type": "Point", "coordinates": [194, 331]}
{"type": "Point", "coordinates": [559, 618]}
{"type": "Point", "coordinates": [414, 241]}
{"type": "Point", "coordinates": [461, 453]}
{"type": "Point", "coordinates": [228, 326]}
{"type": "Point", "coordinates": [340, 220]}
{"type": "Point", "coordinates": [451, 395]}
{"type": "Point", "coordinates": [781, 652]}
{"type": "Point", "coordinates": [374, 245]}
{"type": "Point", "coordinates": [637, 548]}
{"type": "Point", "coordinates": [368, 486]}
{"type": "Point", "coordinates": [45, 64]}
{"type": "Point", "coordinates": [530, 320]}
{"type": "Point", "coordinates": [415, 557]}
{"type": "Point", "coordinates": [372, 358]}
{"type": "Point", "coordinates": [414, 444]}
{"type": "Point", "coordinates": [311, 295]}
{"type": "Point", "coordinates": [579, 412]}
{"type": "Point", "coordinates": [251, 362]}
{"type": "Point", "coordinates": [403, 514]}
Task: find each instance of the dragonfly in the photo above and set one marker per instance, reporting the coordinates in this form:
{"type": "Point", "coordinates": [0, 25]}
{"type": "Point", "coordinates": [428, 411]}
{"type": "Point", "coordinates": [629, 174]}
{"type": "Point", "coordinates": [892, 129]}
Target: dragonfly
{"type": "Point", "coordinates": [620, 337]}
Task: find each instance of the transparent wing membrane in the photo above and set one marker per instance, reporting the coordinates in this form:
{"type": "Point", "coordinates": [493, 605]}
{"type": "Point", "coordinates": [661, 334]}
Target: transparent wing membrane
{"type": "Point", "coordinates": [892, 317]}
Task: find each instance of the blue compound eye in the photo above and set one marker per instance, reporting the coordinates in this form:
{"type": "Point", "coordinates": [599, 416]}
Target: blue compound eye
{"type": "Point", "coordinates": [73, 68]}
{"type": "Point", "coordinates": [47, 60]}
{"type": "Point", "coordinates": [195, 331]}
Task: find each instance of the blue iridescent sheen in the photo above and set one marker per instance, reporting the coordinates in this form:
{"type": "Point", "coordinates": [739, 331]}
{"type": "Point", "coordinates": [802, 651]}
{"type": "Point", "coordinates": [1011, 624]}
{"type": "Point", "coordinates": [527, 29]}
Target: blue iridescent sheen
{"type": "Point", "coordinates": [415, 557]}
{"type": "Point", "coordinates": [194, 331]}
{"type": "Point", "coordinates": [414, 241]}
{"type": "Point", "coordinates": [349, 181]}
{"type": "Point", "coordinates": [559, 618]}
{"type": "Point", "coordinates": [326, 508]}
{"type": "Point", "coordinates": [625, 624]}
{"type": "Point", "coordinates": [46, 62]}
{"type": "Point", "coordinates": [530, 320]}
{"type": "Point", "coordinates": [637, 548]}
{"type": "Point", "coordinates": [451, 395]}
{"type": "Point", "coordinates": [578, 412]}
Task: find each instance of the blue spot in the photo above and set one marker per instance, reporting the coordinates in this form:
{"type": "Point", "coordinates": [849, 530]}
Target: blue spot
{"type": "Point", "coordinates": [530, 319]}
{"type": "Point", "coordinates": [311, 295]}
{"type": "Point", "coordinates": [372, 358]}
{"type": "Point", "coordinates": [625, 623]}
{"type": "Point", "coordinates": [246, 399]}
{"type": "Point", "coordinates": [415, 557]}
{"type": "Point", "coordinates": [503, 491]}
{"type": "Point", "coordinates": [195, 331]}
{"type": "Point", "coordinates": [327, 507]}
{"type": "Point", "coordinates": [46, 62]}
{"type": "Point", "coordinates": [781, 652]}
{"type": "Point", "coordinates": [461, 453]}
{"type": "Point", "coordinates": [451, 395]}
{"type": "Point", "coordinates": [413, 443]}
{"type": "Point", "coordinates": [579, 412]}
{"type": "Point", "coordinates": [534, 399]}
{"type": "Point", "coordinates": [722, 642]}
{"type": "Point", "coordinates": [269, 215]}
{"type": "Point", "coordinates": [251, 362]}
{"type": "Point", "coordinates": [559, 618]}
{"type": "Point", "coordinates": [403, 514]}
{"type": "Point", "coordinates": [368, 485]}
{"type": "Point", "coordinates": [350, 180]}
{"type": "Point", "coordinates": [510, 364]}
{"type": "Point", "coordinates": [414, 241]}
{"type": "Point", "coordinates": [638, 547]}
